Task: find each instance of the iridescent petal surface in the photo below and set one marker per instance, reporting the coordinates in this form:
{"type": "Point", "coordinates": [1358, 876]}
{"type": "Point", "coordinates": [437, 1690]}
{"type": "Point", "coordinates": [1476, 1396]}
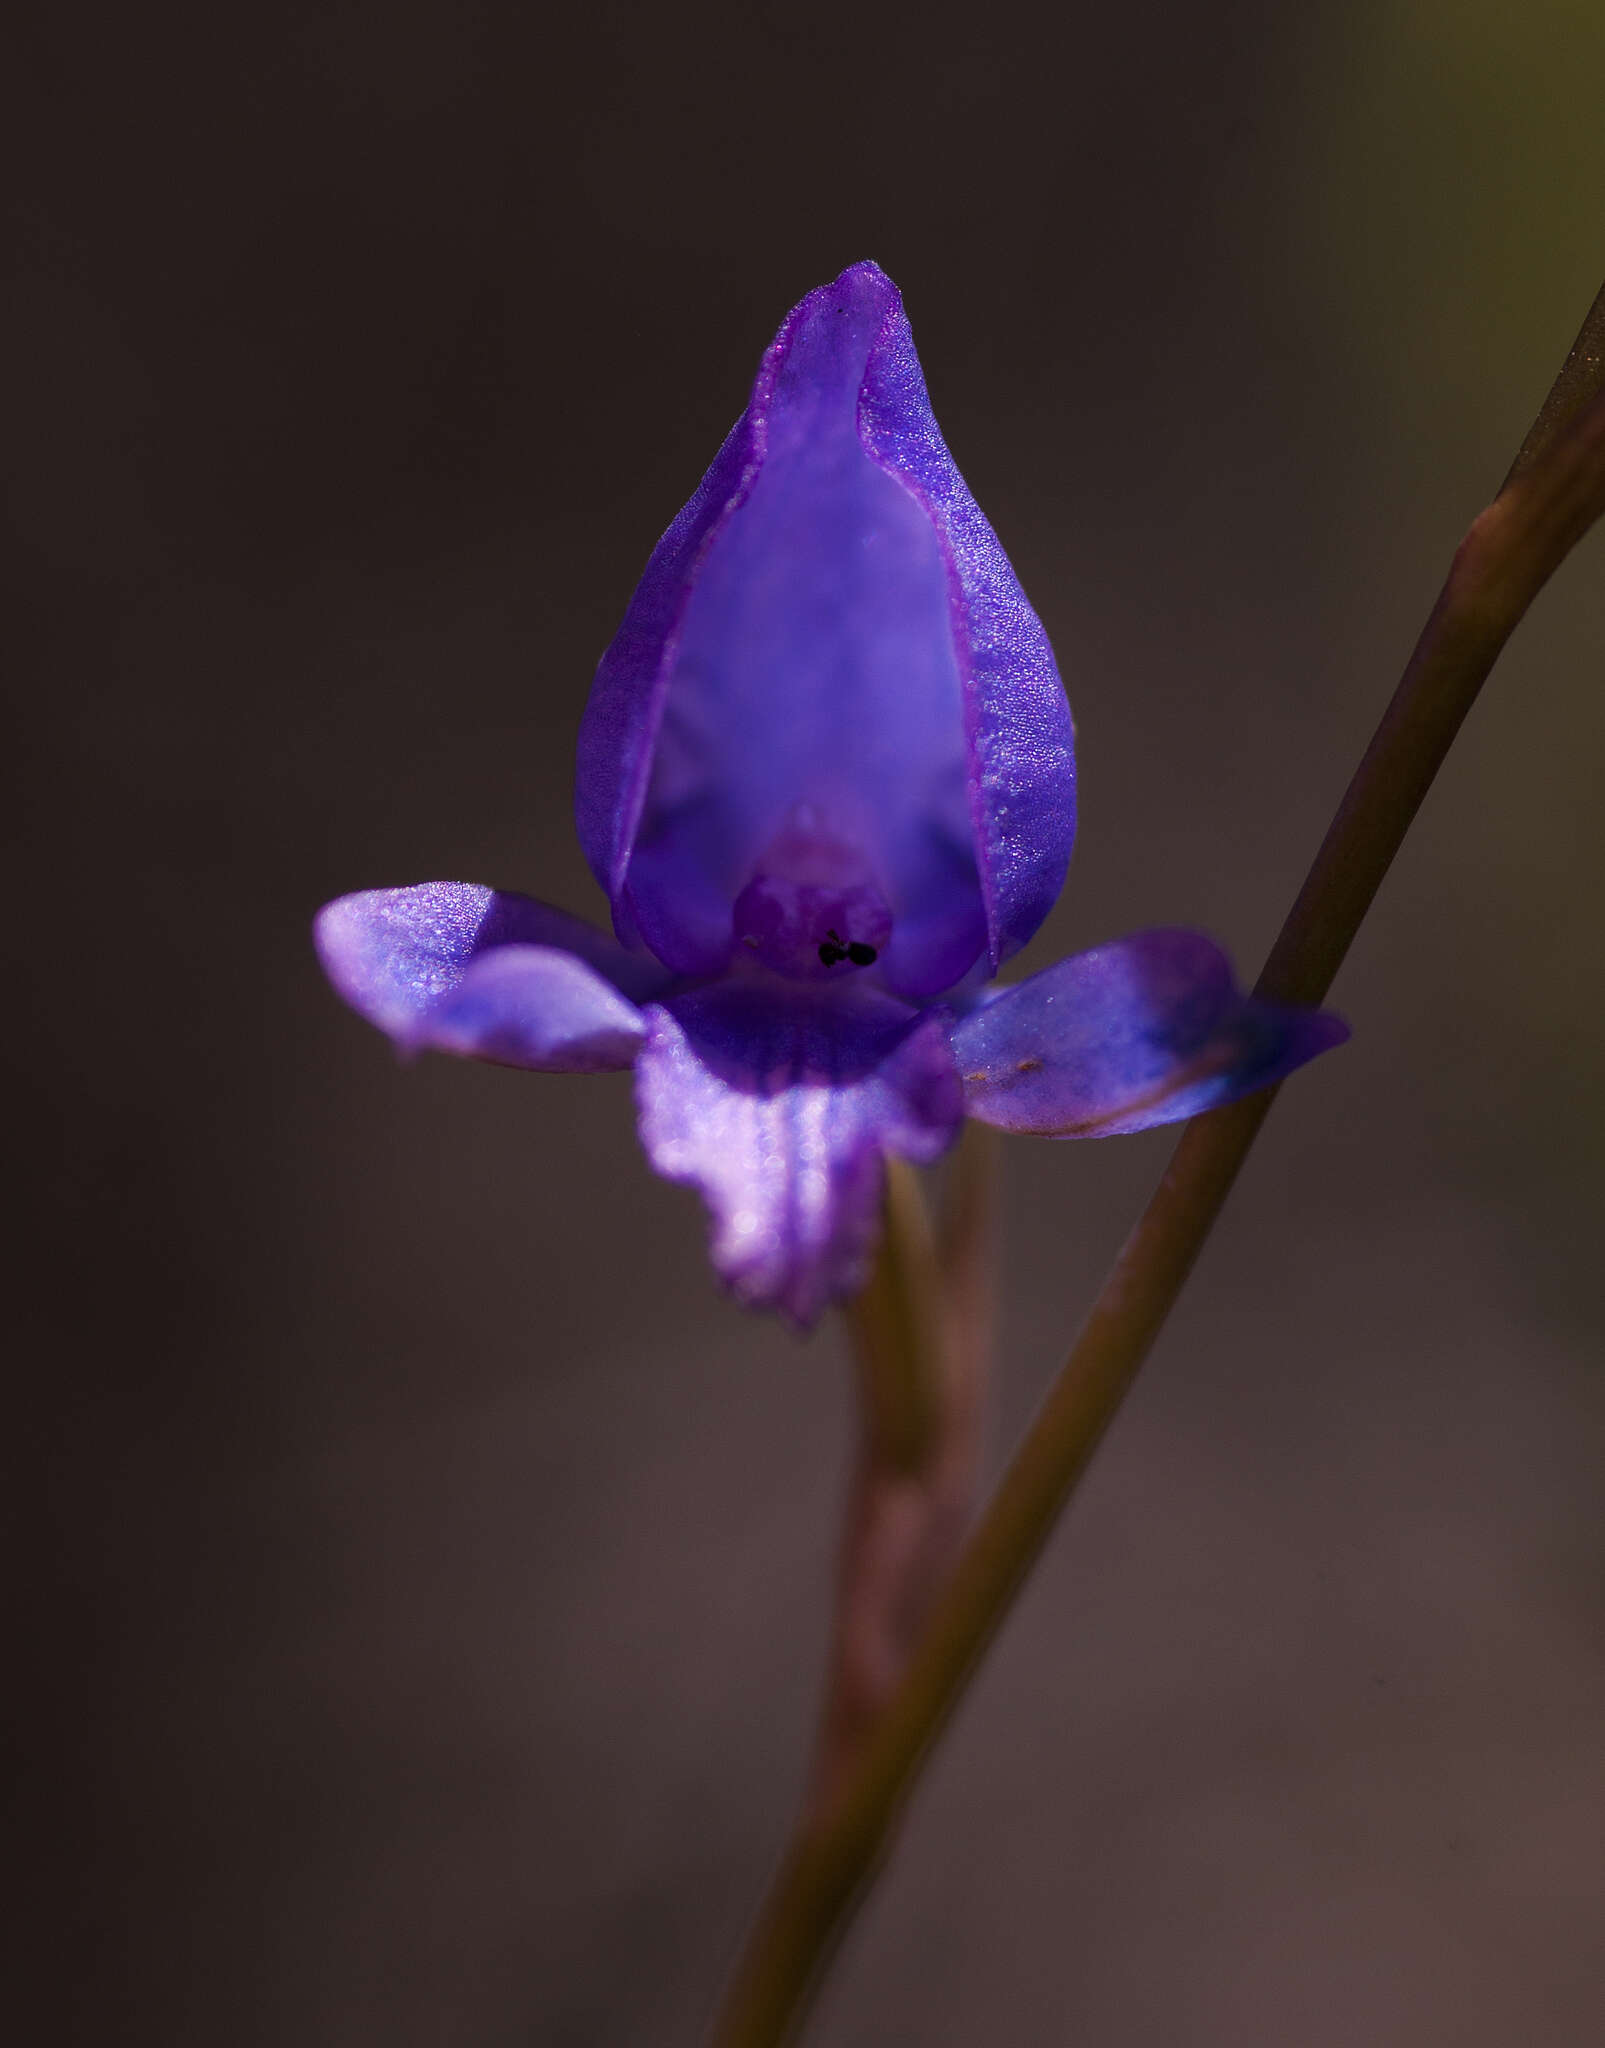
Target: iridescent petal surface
{"type": "Point", "coordinates": [778, 1107]}
{"type": "Point", "coordinates": [393, 953]}
{"type": "Point", "coordinates": [1021, 753]}
{"type": "Point", "coordinates": [534, 1007]}
{"type": "Point", "coordinates": [1146, 1030]}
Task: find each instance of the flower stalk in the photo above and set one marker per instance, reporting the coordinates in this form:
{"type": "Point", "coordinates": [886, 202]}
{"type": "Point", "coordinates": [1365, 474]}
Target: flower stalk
{"type": "Point", "coordinates": [1554, 493]}
{"type": "Point", "coordinates": [921, 1337]}
{"type": "Point", "coordinates": [896, 1329]}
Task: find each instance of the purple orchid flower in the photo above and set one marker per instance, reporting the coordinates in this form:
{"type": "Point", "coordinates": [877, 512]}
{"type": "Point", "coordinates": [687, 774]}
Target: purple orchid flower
{"type": "Point", "coordinates": [826, 780]}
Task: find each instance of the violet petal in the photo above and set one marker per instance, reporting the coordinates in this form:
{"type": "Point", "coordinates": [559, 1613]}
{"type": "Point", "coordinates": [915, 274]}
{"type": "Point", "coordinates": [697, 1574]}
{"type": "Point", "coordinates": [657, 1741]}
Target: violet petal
{"type": "Point", "coordinates": [532, 1006]}
{"type": "Point", "coordinates": [394, 953]}
{"type": "Point", "coordinates": [1146, 1030]}
{"type": "Point", "coordinates": [779, 1108]}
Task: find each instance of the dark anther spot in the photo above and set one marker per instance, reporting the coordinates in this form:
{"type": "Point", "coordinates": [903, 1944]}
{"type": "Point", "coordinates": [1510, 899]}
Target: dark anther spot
{"type": "Point", "coordinates": [829, 955]}
{"type": "Point", "coordinates": [861, 955]}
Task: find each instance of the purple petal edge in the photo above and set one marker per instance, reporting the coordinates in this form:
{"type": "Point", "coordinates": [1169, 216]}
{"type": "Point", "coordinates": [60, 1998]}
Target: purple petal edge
{"type": "Point", "coordinates": [536, 1008]}
{"type": "Point", "coordinates": [426, 960]}
{"type": "Point", "coordinates": [619, 727]}
{"type": "Point", "coordinates": [1147, 1030]}
{"type": "Point", "coordinates": [1021, 740]}
{"type": "Point", "coordinates": [779, 1113]}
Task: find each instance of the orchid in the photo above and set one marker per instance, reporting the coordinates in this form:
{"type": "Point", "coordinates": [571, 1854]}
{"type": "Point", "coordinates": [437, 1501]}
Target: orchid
{"type": "Point", "coordinates": [826, 780]}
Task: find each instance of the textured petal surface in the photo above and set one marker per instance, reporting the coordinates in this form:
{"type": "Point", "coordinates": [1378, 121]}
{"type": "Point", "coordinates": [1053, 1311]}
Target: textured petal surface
{"type": "Point", "coordinates": [530, 1006]}
{"type": "Point", "coordinates": [395, 954]}
{"type": "Point", "coordinates": [779, 1109]}
{"type": "Point", "coordinates": [1020, 740]}
{"type": "Point", "coordinates": [831, 633]}
{"type": "Point", "coordinates": [1147, 1030]}
{"type": "Point", "coordinates": [619, 730]}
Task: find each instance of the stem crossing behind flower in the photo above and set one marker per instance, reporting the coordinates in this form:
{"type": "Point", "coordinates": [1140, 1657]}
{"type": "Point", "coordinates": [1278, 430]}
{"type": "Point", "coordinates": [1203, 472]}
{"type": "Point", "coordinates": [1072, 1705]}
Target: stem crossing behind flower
{"type": "Point", "coordinates": [1555, 492]}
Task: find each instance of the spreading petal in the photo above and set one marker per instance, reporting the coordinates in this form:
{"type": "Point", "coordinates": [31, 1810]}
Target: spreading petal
{"type": "Point", "coordinates": [830, 671]}
{"type": "Point", "coordinates": [487, 974]}
{"type": "Point", "coordinates": [779, 1109]}
{"type": "Point", "coordinates": [1147, 1030]}
{"type": "Point", "coordinates": [531, 1006]}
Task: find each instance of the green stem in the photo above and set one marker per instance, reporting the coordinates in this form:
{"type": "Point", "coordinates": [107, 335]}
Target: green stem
{"type": "Point", "coordinates": [1554, 494]}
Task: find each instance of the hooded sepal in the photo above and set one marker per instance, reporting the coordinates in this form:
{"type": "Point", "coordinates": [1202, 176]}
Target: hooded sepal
{"type": "Point", "coordinates": [829, 645]}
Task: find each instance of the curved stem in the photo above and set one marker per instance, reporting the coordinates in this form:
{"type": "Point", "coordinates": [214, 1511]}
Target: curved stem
{"type": "Point", "coordinates": [1554, 494]}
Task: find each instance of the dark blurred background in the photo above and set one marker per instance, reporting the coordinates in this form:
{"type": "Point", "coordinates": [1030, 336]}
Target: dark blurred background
{"type": "Point", "coordinates": [422, 1572]}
